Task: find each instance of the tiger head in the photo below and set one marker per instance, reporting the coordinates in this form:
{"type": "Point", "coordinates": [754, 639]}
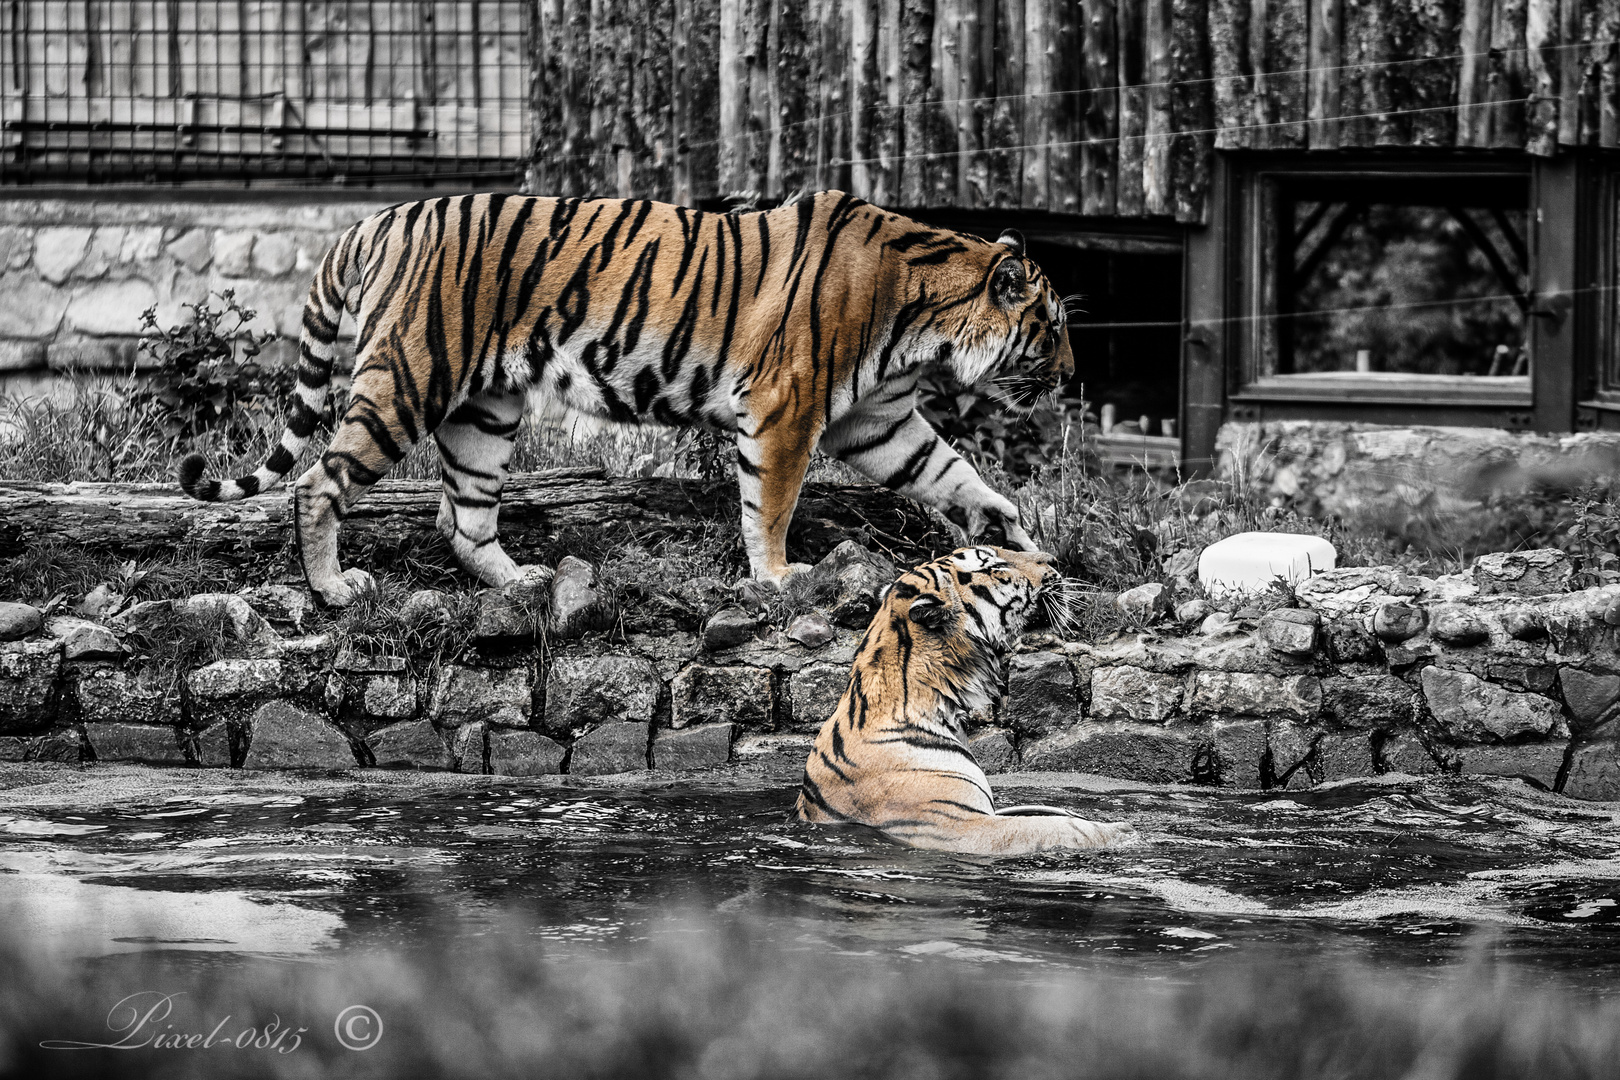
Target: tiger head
{"type": "Point", "coordinates": [1015, 328]}
{"type": "Point", "coordinates": [983, 593]}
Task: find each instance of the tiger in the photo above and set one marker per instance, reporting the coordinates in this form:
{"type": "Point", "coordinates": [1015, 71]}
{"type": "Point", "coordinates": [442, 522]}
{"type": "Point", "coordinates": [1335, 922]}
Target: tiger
{"type": "Point", "coordinates": [894, 754]}
{"type": "Point", "coordinates": [798, 328]}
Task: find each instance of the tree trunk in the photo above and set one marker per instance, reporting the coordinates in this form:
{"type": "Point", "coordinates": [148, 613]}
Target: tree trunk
{"type": "Point", "coordinates": [539, 511]}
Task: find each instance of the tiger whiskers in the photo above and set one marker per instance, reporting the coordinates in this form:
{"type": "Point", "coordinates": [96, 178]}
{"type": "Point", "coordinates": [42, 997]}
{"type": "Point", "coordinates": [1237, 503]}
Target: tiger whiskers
{"type": "Point", "coordinates": [1020, 392]}
{"type": "Point", "coordinates": [1062, 602]}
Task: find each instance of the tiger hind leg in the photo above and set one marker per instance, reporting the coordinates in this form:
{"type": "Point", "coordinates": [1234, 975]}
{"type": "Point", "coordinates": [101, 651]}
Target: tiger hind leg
{"type": "Point", "coordinates": [475, 446]}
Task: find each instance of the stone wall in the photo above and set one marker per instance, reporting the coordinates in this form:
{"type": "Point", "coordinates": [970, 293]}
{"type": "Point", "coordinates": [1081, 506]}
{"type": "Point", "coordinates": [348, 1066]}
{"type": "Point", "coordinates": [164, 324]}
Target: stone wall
{"type": "Point", "coordinates": [1498, 671]}
{"type": "Point", "coordinates": [77, 273]}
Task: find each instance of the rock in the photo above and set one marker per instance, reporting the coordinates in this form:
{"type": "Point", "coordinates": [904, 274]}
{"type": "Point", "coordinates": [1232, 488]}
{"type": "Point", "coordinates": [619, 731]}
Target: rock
{"type": "Point", "coordinates": [1223, 694]}
{"type": "Point", "coordinates": [464, 695]}
{"type": "Point", "coordinates": [1589, 695]}
{"type": "Point", "coordinates": [1144, 603]}
{"type": "Point", "coordinates": [1348, 642]}
{"type": "Point", "coordinates": [1290, 631]}
{"type": "Point", "coordinates": [1537, 678]}
{"type": "Point", "coordinates": [578, 606]}
{"type": "Point", "coordinates": [728, 628]}
{"type": "Point", "coordinates": [1239, 749]}
{"type": "Point", "coordinates": [282, 736]}
{"type": "Point", "coordinates": [194, 250]}
{"type": "Point", "coordinates": [1523, 573]}
{"type": "Point", "coordinates": [1368, 701]}
{"type": "Point", "coordinates": [1219, 622]}
{"type": "Point", "coordinates": [274, 254]}
{"type": "Point", "coordinates": [1131, 693]}
{"type": "Point", "coordinates": [411, 745]}
{"type": "Point", "coordinates": [524, 753]}
{"type": "Point", "coordinates": [707, 694]}
{"type": "Point", "coordinates": [1406, 754]}
{"type": "Point", "coordinates": [701, 747]}
{"type": "Point", "coordinates": [1397, 621]}
{"type": "Point", "coordinates": [774, 757]}
{"type": "Point", "coordinates": [703, 596]}
{"type": "Point", "coordinates": [612, 748]}
{"type": "Point", "coordinates": [30, 684]}
{"type": "Point", "coordinates": [17, 621]}
{"type": "Point", "coordinates": [282, 605]}
{"type": "Point", "coordinates": [1041, 695]}
{"type": "Point", "coordinates": [136, 693]}
{"type": "Point", "coordinates": [1524, 626]}
{"type": "Point", "coordinates": [1536, 762]}
{"type": "Point", "coordinates": [100, 603]}
{"type": "Point", "coordinates": [229, 689]}
{"type": "Point", "coordinates": [233, 252]}
{"type": "Point", "coordinates": [1473, 710]}
{"type": "Point", "coordinates": [1344, 755]}
{"type": "Point", "coordinates": [1290, 747]}
{"type": "Point", "coordinates": [111, 308]}
{"type": "Point", "coordinates": [1242, 651]}
{"type": "Point", "coordinates": [1404, 654]}
{"type": "Point", "coordinates": [1594, 770]}
{"type": "Point", "coordinates": [469, 747]}
{"type": "Point", "coordinates": [390, 696]}
{"type": "Point", "coordinates": [1193, 611]}
{"type": "Point", "coordinates": [993, 749]}
{"type": "Point", "coordinates": [215, 747]}
{"type": "Point", "coordinates": [1165, 754]}
{"type": "Point", "coordinates": [1457, 625]}
{"type": "Point", "coordinates": [812, 631]}
{"type": "Point", "coordinates": [240, 622]}
{"type": "Point", "coordinates": [513, 614]}
{"type": "Point", "coordinates": [812, 693]}
{"type": "Point", "coordinates": [150, 743]}
{"type": "Point", "coordinates": [62, 746]}
{"type": "Point", "coordinates": [756, 597]}
{"type": "Point", "coordinates": [845, 585]}
{"type": "Point", "coordinates": [1169, 656]}
{"type": "Point", "coordinates": [427, 607]}
{"type": "Point", "coordinates": [584, 689]}
{"type": "Point", "coordinates": [58, 249]}
{"type": "Point", "coordinates": [85, 640]}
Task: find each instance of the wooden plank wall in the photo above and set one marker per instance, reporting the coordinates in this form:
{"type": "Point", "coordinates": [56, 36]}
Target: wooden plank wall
{"type": "Point", "coordinates": [1099, 108]}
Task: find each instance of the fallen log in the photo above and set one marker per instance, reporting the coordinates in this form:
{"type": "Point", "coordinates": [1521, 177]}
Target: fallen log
{"type": "Point", "coordinates": [539, 512]}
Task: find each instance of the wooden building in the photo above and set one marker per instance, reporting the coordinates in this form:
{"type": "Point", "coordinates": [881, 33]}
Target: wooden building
{"type": "Point", "coordinates": [1359, 209]}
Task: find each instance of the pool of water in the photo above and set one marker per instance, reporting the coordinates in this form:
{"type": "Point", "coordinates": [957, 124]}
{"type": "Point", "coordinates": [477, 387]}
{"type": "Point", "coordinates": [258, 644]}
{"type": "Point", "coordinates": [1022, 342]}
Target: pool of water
{"type": "Point", "coordinates": [1409, 874]}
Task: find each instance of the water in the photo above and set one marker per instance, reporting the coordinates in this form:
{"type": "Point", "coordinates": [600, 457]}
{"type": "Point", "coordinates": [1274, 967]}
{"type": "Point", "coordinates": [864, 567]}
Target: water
{"type": "Point", "coordinates": [1404, 874]}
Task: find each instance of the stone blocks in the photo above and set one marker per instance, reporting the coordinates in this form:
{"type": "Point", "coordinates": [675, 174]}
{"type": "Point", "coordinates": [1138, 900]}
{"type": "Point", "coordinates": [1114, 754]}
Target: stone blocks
{"type": "Point", "coordinates": [1041, 695]}
{"type": "Point", "coordinates": [498, 696]}
{"type": "Point", "coordinates": [702, 694]}
{"type": "Point", "coordinates": [701, 747]}
{"type": "Point", "coordinates": [584, 688]}
{"type": "Point", "coordinates": [522, 753]}
{"type": "Point", "coordinates": [615, 747]}
{"type": "Point", "coordinates": [1131, 693]}
{"type": "Point", "coordinates": [1473, 710]}
{"type": "Point", "coordinates": [1164, 754]}
{"type": "Point", "coordinates": [282, 736]}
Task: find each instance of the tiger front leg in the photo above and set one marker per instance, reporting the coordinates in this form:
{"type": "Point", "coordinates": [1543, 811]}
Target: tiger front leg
{"type": "Point", "coordinates": [906, 454]}
{"type": "Point", "coordinates": [994, 834]}
{"type": "Point", "coordinates": [476, 443]}
{"type": "Point", "coordinates": [770, 471]}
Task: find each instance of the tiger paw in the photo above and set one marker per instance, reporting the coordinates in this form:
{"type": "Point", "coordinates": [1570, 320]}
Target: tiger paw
{"type": "Point", "coordinates": [343, 591]}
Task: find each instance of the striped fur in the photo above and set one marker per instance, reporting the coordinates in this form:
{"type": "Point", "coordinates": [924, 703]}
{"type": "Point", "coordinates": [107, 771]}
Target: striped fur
{"type": "Point", "coordinates": [894, 753]}
{"type": "Point", "coordinates": [793, 328]}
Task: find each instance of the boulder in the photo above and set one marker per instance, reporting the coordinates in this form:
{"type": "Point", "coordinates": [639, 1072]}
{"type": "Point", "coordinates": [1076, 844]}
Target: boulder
{"type": "Point", "coordinates": [1405, 753]}
{"type": "Point", "coordinates": [523, 753]}
{"type": "Point", "coordinates": [282, 736]}
{"type": "Point", "coordinates": [389, 696]}
{"type": "Point", "coordinates": [1348, 642]}
{"type": "Point", "coordinates": [993, 749]}
{"type": "Point", "coordinates": [1473, 710]}
{"type": "Point", "coordinates": [1589, 695]}
{"type": "Point", "coordinates": [414, 744]}
{"type": "Point", "coordinates": [1130, 693]}
{"type": "Point", "coordinates": [1520, 675]}
{"type": "Point", "coordinates": [1290, 631]}
{"type": "Point", "coordinates": [845, 585]}
{"type": "Point", "coordinates": [1344, 755]}
{"type": "Point", "coordinates": [30, 684]}
{"type": "Point", "coordinates": [135, 693]}
{"type": "Point", "coordinates": [1144, 603]}
{"type": "Point", "coordinates": [1041, 695]}
{"type": "Point", "coordinates": [578, 605]}
{"type": "Point", "coordinates": [585, 689]}
{"type": "Point", "coordinates": [1594, 770]}
{"type": "Point", "coordinates": [1368, 701]}
{"type": "Point", "coordinates": [728, 628]}
{"type": "Point", "coordinates": [1525, 625]}
{"type": "Point", "coordinates": [1458, 625]}
{"type": "Point", "coordinates": [1164, 754]}
{"type": "Point", "coordinates": [1396, 621]}
{"type": "Point", "coordinates": [85, 640]}
{"type": "Point", "coordinates": [702, 694]}
{"type": "Point", "coordinates": [1536, 762]}
{"type": "Point", "coordinates": [701, 747]}
{"type": "Point", "coordinates": [1238, 693]}
{"type": "Point", "coordinates": [812, 694]}
{"type": "Point", "coordinates": [1541, 572]}
{"type": "Point", "coordinates": [150, 743]}
{"type": "Point", "coordinates": [812, 630]}
{"type": "Point", "coordinates": [229, 689]}
{"type": "Point", "coordinates": [17, 621]}
{"type": "Point", "coordinates": [615, 747]}
{"type": "Point", "coordinates": [1239, 750]}
{"type": "Point", "coordinates": [463, 695]}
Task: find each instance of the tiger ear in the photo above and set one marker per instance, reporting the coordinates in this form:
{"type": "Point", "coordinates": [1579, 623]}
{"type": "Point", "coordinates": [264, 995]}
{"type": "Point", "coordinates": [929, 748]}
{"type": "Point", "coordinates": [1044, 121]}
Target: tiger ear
{"type": "Point", "coordinates": [1013, 239]}
{"type": "Point", "coordinates": [930, 613]}
{"type": "Point", "coordinates": [1008, 282]}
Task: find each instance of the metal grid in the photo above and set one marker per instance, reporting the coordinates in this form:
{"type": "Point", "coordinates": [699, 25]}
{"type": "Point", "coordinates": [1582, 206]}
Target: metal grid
{"type": "Point", "coordinates": [263, 91]}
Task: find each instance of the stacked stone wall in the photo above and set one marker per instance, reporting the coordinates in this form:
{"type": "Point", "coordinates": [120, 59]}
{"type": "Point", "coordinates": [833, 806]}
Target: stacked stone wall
{"type": "Point", "coordinates": [1499, 671]}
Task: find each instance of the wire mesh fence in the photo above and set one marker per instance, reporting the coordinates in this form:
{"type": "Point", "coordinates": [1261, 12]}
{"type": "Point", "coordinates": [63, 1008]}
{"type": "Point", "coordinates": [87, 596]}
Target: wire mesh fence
{"type": "Point", "coordinates": [263, 91]}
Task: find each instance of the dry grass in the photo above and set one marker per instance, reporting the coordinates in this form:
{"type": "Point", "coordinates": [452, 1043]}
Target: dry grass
{"type": "Point", "coordinates": [713, 1001]}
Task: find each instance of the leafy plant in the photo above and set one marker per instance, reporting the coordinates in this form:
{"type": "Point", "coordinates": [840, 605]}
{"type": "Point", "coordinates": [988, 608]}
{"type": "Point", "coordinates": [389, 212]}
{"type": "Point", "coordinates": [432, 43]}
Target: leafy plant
{"type": "Point", "coordinates": [210, 376]}
{"type": "Point", "coordinates": [1594, 539]}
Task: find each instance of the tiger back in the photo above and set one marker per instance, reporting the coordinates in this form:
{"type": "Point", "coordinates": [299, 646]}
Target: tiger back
{"type": "Point", "coordinates": [801, 327]}
{"type": "Point", "coordinates": [894, 753]}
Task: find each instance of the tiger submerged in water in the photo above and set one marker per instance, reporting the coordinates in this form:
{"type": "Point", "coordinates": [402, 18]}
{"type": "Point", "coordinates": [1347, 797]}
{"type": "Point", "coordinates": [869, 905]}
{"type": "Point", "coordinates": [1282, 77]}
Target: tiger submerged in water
{"type": "Point", "coordinates": [894, 753]}
{"type": "Point", "coordinates": [795, 328]}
